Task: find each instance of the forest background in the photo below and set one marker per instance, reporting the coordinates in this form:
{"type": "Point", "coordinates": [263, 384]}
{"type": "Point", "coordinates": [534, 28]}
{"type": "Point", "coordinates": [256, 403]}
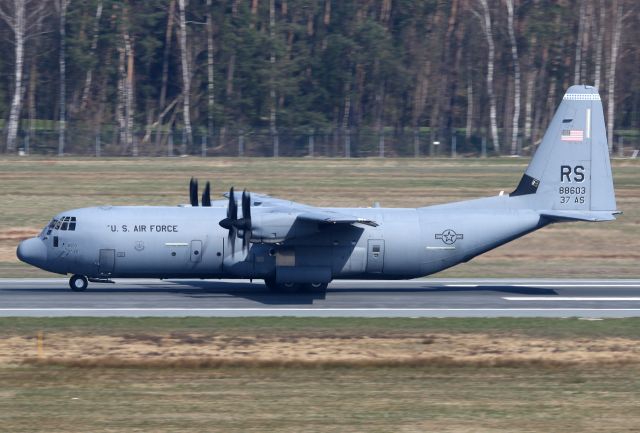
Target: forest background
{"type": "Point", "coordinates": [309, 77]}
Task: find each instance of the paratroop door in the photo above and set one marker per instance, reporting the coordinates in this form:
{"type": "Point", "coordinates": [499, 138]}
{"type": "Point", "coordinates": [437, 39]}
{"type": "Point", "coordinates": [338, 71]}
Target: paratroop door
{"type": "Point", "coordinates": [375, 255]}
{"type": "Point", "coordinates": [196, 251]}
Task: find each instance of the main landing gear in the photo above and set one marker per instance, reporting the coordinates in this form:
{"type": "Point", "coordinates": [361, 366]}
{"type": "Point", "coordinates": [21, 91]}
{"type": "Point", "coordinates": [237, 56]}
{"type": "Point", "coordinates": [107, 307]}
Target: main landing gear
{"type": "Point", "coordinates": [294, 287]}
{"type": "Point", "coordinates": [78, 283]}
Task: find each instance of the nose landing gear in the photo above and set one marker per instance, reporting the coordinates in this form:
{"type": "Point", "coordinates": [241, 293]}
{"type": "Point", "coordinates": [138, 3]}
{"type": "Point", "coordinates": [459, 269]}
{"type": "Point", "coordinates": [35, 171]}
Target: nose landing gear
{"type": "Point", "coordinates": [78, 283]}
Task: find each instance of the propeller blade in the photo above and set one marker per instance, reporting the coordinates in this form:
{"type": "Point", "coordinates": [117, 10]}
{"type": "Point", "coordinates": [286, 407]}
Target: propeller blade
{"type": "Point", "coordinates": [246, 207]}
{"type": "Point", "coordinates": [246, 219]}
{"type": "Point", "coordinates": [232, 210]}
{"type": "Point", "coordinates": [246, 239]}
{"type": "Point", "coordinates": [206, 195]}
{"type": "Point", "coordinates": [193, 191]}
{"type": "Point", "coordinates": [232, 214]}
{"type": "Point", "coordinates": [231, 239]}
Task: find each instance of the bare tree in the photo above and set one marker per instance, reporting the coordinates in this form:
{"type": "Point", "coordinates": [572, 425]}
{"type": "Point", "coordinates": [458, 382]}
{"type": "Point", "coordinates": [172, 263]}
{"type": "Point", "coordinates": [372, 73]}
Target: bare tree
{"type": "Point", "coordinates": [23, 18]}
{"type": "Point", "coordinates": [617, 6]}
{"type": "Point", "coordinates": [272, 72]}
{"type": "Point", "coordinates": [210, 64]}
{"type": "Point", "coordinates": [125, 107]}
{"type": "Point", "coordinates": [598, 60]}
{"type": "Point", "coordinates": [579, 38]}
{"type": "Point", "coordinates": [92, 50]}
{"type": "Point", "coordinates": [186, 72]}
{"type": "Point", "coordinates": [62, 124]}
{"type": "Point", "coordinates": [485, 20]}
{"type": "Point", "coordinates": [586, 42]}
{"type": "Point", "coordinates": [165, 69]}
{"type": "Point", "coordinates": [129, 93]}
{"type": "Point", "coordinates": [530, 81]}
{"type": "Point", "coordinates": [516, 78]}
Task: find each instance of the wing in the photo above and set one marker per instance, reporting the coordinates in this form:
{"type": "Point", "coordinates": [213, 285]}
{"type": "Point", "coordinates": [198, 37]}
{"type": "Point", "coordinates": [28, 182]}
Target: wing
{"type": "Point", "coordinates": [310, 213]}
{"type": "Point", "coordinates": [275, 220]}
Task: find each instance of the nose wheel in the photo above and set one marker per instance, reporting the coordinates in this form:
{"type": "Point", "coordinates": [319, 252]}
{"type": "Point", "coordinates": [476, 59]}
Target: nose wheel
{"type": "Point", "coordinates": [78, 283]}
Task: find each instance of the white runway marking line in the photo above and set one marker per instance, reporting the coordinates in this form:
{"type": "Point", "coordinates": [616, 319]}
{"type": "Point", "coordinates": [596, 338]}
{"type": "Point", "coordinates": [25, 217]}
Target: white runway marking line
{"type": "Point", "coordinates": [575, 285]}
{"type": "Point", "coordinates": [568, 298]}
{"type": "Point", "coordinates": [305, 310]}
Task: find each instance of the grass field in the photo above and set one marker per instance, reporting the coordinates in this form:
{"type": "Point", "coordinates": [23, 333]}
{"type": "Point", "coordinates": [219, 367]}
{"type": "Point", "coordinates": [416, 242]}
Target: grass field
{"type": "Point", "coordinates": [107, 375]}
{"type": "Point", "coordinates": [32, 190]}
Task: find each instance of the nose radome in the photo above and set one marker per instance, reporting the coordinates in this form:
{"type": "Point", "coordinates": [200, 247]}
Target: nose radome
{"type": "Point", "coordinates": [32, 251]}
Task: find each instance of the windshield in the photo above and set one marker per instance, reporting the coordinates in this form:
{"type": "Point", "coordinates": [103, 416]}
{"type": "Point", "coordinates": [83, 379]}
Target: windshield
{"type": "Point", "coordinates": [65, 223]}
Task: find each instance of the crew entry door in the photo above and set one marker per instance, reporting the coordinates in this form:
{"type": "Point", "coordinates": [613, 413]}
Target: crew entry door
{"type": "Point", "coordinates": [107, 262]}
{"type": "Point", "coordinates": [375, 256]}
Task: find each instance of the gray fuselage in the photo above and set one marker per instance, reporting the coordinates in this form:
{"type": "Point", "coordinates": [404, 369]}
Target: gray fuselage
{"type": "Point", "coordinates": [187, 242]}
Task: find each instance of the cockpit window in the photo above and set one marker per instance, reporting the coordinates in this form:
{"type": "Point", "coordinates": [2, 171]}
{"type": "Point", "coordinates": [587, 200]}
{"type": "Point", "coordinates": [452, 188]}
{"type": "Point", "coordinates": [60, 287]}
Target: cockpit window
{"type": "Point", "coordinates": [64, 223]}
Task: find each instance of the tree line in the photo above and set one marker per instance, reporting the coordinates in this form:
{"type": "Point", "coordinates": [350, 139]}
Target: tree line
{"type": "Point", "coordinates": [425, 70]}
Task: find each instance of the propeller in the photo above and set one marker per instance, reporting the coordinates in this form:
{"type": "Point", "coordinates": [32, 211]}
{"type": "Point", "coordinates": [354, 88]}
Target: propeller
{"type": "Point", "coordinates": [235, 224]}
{"type": "Point", "coordinates": [228, 222]}
{"type": "Point", "coordinates": [193, 192]}
{"type": "Point", "coordinates": [206, 195]}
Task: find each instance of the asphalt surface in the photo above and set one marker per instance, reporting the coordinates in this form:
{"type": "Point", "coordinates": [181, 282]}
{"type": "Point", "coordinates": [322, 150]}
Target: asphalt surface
{"type": "Point", "coordinates": [416, 298]}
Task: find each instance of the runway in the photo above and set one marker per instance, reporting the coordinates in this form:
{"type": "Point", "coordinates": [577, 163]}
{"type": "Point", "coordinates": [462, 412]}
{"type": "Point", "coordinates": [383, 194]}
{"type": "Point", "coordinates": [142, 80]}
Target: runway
{"type": "Point", "coordinates": [238, 298]}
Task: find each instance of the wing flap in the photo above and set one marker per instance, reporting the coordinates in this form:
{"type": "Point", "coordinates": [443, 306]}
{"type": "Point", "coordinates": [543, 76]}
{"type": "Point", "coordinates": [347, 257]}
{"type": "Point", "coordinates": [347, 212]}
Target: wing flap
{"type": "Point", "coordinates": [329, 217]}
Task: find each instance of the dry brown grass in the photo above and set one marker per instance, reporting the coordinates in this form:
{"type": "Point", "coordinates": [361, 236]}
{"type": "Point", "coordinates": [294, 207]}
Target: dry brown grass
{"type": "Point", "coordinates": [11, 237]}
{"type": "Point", "coordinates": [417, 362]}
{"type": "Point", "coordinates": [198, 350]}
{"type": "Point", "coordinates": [443, 375]}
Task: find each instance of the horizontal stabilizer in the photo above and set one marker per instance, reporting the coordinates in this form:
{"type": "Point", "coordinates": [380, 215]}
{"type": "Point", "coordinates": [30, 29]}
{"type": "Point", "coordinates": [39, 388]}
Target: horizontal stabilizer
{"type": "Point", "coordinates": [577, 215]}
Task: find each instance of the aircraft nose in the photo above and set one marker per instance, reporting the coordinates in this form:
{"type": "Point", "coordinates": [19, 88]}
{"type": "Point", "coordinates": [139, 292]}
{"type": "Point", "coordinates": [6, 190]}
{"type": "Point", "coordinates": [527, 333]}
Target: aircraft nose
{"type": "Point", "coordinates": [32, 251]}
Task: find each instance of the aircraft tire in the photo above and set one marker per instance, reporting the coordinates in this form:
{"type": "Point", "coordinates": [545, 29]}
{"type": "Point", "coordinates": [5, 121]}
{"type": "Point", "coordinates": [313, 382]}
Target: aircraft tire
{"type": "Point", "coordinates": [78, 283]}
{"type": "Point", "coordinates": [316, 287]}
{"type": "Point", "coordinates": [281, 287]}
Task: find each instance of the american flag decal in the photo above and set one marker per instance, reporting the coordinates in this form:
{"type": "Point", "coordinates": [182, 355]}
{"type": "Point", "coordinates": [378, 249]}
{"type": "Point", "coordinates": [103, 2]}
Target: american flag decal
{"type": "Point", "coordinates": [572, 135]}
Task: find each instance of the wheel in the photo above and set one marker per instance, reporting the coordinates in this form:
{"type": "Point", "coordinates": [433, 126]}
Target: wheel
{"type": "Point", "coordinates": [290, 287]}
{"type": "Point", "coordinates": [316, 287]}
{"type": "Point", "coordinates": [281, 287]}
{"type": "Point", "coordinates": [78, 283]}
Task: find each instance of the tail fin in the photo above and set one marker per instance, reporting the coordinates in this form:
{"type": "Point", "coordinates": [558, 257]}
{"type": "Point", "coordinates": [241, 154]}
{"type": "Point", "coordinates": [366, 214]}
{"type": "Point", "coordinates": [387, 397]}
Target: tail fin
{"type": "Point", "coordinates": [569, 176]}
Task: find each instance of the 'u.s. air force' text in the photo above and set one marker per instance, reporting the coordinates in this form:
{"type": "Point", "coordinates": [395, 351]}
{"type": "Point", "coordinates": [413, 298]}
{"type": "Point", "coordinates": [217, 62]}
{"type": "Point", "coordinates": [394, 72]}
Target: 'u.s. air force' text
{"type": "Point", "coordinates": [143, 228]}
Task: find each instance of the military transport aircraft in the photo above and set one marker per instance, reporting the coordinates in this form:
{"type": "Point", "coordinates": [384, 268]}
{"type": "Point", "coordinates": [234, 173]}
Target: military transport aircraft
{"type": "Point", "coordinates": [291, 245]}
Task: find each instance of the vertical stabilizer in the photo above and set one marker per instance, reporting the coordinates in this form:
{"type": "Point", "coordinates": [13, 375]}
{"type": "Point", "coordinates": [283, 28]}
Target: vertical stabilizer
{"type": "Point", "coordinates": [571, 171]}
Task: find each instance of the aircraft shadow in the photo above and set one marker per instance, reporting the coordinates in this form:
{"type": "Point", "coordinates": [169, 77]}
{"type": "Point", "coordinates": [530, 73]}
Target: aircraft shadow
{"type": "Point", "coordinates": [519, 290]}
{"type": "Point", "coordinates": [259, 293]}
{"type": "Point", "coordinates": [253, 292]}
